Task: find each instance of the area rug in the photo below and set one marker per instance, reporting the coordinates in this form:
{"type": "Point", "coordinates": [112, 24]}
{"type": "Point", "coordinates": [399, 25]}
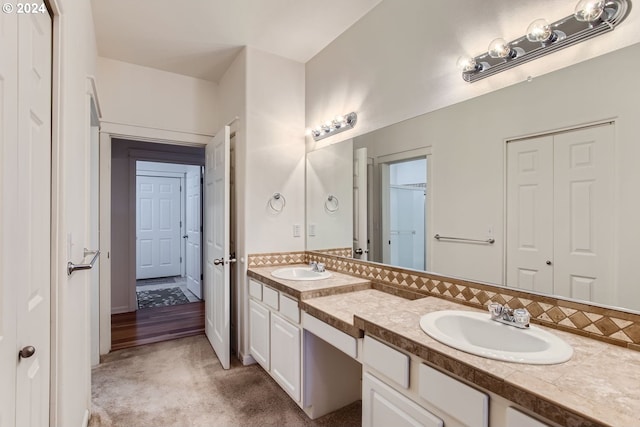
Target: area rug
{"type": "Point", "coordinates": [161, 298]}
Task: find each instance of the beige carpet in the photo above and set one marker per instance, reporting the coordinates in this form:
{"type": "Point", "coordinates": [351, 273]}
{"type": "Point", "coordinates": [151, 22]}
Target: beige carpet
{"type": "Point", "coordinates": [181, 383]}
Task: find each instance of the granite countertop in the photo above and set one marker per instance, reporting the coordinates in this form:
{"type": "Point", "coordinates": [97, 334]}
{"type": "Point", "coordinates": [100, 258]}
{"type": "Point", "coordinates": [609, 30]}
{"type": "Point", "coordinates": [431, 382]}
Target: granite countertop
{"type": "Point", "coordinates": [339, 310]}
{"type": "Point", "coordinates": [599, 386]}
{"type": "Point", "coordinates": [304, 289]}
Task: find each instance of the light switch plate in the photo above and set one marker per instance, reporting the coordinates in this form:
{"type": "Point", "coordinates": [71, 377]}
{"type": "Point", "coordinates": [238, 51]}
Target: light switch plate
{"type": "Point", "coordinates": [296, 230]}
{"type": "Point", "coordinates": [312, 229]}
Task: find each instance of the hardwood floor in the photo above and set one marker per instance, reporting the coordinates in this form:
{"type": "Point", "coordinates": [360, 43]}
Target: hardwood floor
{"type": "Point", "coordinates": [156, 324]}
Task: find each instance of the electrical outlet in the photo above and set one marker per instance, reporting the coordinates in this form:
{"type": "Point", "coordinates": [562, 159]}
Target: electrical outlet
{"type": "Point", "coordinates": [296, 230]}
{"type": "Point", "coordinates": [490, 231]}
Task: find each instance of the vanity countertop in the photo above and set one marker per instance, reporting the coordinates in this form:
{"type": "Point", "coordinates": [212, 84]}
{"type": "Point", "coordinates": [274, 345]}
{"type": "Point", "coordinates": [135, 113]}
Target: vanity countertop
{"type": "Point", "coordinates": [301, 289]}
{"type": "Point", "coordinates": [599, 386]}
{"type": "Point", "coordinates": [339, 310]}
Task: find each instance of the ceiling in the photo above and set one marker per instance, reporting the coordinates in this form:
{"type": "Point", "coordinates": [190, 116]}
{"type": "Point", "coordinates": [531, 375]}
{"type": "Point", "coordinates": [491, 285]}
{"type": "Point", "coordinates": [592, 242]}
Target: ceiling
{"type": "Point", "coordinates": [200, 38]}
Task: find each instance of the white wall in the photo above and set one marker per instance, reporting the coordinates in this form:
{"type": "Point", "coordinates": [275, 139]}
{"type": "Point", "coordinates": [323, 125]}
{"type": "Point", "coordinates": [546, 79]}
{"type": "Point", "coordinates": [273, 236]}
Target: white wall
{"type": "Point", "coordinates": [233, 104]}
{"type": "Point", "coordinates": [75, 56]}
{"type": "Point", "coordinates": [330, 171]}
{"type": "Point", "coordinates": [141, 96]}
{"type": "Point", "coordinates": [266, 93]}
{"type": "Point", "coordinates": [382, 67]}
{"type": "Point", "coordinates": [275, 154]}
{"type": "Point", "coordinates": [467, 164]}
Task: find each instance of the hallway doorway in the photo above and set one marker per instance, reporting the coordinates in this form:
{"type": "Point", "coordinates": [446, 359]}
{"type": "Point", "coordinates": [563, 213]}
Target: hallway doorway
{"type": "Point", "coordinates": [155, 242]}
{"type": "Point", "coordinates": [168, 234]}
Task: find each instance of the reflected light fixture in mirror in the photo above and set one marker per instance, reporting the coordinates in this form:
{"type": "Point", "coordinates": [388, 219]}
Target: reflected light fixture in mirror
{"type": "Point", "coordinates": [333, 127]}
{"type": "Point", "coordinates": [590, 19]}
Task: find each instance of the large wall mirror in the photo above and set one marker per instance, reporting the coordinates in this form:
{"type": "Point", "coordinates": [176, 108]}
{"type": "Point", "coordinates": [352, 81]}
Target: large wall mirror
{"type": "Point", "coordinates": [540, 181]}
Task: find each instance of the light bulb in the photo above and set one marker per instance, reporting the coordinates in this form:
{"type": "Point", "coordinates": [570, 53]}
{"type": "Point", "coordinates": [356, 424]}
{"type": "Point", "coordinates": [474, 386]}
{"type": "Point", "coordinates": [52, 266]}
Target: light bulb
{"type": "Point", "coordinates": [540, 31]}
{"type": "Point", "coordinates": [466, 63]}
{"type": "Point", "coordinates": [589, 10]}
{"type": "Point", "coordinates": [499, 48]}
{"type": "Point", "coordinates": [338, 122]}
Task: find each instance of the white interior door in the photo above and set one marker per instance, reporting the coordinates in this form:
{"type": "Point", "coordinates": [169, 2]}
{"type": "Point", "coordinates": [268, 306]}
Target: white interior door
{"type": "Point", "coordinates": [559, 215]}
{"type": "Point", "coordinates": [530, 214]}
{"type": "Point", "coordinates": [158, 226]}
{"type": "Point", "coordinates": [8, 215]}
{"type": "Point", "coordinates": [583, 242]}
{"type": "Point", "coordinates": [360, 214]}
{"type": "Point", "coordinates": [194, 222]}
{"type": "Point", "coordinates": [25, 183]}
{"type": "Point", "coordinates": [217, 231]}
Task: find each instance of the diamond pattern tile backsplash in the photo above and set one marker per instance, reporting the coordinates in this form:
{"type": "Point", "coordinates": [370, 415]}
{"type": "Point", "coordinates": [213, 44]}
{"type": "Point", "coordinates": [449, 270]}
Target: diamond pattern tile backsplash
{"type": "Point", "coordinates": [279, 258]}
{"type": "Point", "coordinates": [609, 325]}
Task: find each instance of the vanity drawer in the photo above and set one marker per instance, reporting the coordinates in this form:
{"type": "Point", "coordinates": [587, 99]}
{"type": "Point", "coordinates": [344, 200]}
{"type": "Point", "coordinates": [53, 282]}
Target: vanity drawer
{"type": "Point", "coordinates": [453, 397]}
{"type": "Point", "coordinates": [289, 308]}
{"type": "Point", "coordinates": [386, 360]}
{"type": "Point", "coordinates": [517, 418]}
{"type": "Point", "coordinates": [270, 297]}
{"type": "Point", "coordinates": [255, 289]}
{"type": "Point", "coordinates": [343, 342]}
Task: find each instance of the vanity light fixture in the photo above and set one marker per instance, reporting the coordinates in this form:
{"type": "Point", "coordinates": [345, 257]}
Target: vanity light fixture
{"type": "Point", "coordinates": [332, 127]}
{"type": "Point", "coordinates": [590, 19]}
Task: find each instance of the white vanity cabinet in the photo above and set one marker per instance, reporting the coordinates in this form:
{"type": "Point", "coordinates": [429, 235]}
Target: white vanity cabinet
{"type": "Point", "coordinates": [259, 345]}
{"type": "Point", "coordinates": [401, 389]}
{"type": "Point", "coordinates": [274, 340]}
{"type": "Point", "coordinates": [383, 406]}
{"type": "Point", "coordinates": [285, 355]}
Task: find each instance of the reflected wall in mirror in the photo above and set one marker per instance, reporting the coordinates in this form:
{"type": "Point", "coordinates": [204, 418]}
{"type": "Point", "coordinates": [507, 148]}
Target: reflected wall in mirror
{"type": "Point", "coordinates": [547, 168]}
{"type": "Point", "coordinates": [329, 197]}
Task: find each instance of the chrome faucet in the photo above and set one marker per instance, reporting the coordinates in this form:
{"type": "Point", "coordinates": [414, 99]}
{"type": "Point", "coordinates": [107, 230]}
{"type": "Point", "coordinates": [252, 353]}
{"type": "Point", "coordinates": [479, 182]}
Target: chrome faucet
{"type": "Point", "coordinates": [519, 317]}
{"type": "Point", "coordinates": [317, 266]}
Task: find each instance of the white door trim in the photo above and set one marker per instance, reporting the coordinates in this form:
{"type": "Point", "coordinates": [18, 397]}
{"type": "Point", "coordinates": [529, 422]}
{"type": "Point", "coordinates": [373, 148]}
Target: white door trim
{"type": "Point", "coordinates": [109, 131]}
{"type": "Point", "coordinates": [384, 162]}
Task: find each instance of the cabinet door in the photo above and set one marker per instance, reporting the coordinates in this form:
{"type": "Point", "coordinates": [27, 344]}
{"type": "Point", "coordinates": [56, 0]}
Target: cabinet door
{"type": "Point", "coordinates": [383, 406]}
{"type": "Point", "coordinates": [259, 333]}
{"type": "Point", "coordinates": [285, 355]}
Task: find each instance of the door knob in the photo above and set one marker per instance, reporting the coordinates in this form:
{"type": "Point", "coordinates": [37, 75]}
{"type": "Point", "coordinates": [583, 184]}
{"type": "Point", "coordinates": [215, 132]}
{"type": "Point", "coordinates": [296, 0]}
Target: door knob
{"type": "Point", "coordinates": [218, 261]}
{"type": "Point", "coordinates": [548, 262]}
{"type": "Point", "coordinates": [185, 236]}
{"type": "Point", "coordinates": [358, 251]}
{"type": "Point", "coordinates": [27, 352]}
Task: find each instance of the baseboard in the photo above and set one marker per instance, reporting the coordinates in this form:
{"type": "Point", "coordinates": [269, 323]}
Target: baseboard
{"type": "Point", "coordinates": [120, 310]}
{"type": "Point", "coordinates": [247, 359]}
{"type": "Point", "coordinates": [85, 420]}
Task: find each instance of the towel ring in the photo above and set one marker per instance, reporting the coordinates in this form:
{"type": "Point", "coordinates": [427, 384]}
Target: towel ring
{"type": "Point", "coordinates": [331, 204]}
{"type": "Point", "coordinates": [275, 198]}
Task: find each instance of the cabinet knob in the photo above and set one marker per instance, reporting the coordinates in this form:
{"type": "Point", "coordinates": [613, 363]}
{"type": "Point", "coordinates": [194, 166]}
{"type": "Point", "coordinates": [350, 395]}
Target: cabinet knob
{"type": "Point", "coordinates": [549, 262]}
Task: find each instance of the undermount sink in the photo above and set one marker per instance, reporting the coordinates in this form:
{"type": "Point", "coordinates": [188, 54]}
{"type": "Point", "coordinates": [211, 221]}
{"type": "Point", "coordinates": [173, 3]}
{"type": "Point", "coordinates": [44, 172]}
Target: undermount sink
{"type": "Point", "coordinates": [300, 273]}
{"type": "Point", "coordinates": [477, 334]}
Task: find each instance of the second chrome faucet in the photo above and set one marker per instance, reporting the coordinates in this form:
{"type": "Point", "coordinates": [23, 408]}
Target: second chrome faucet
{"type": "Point", "coordinates": [519, 317]}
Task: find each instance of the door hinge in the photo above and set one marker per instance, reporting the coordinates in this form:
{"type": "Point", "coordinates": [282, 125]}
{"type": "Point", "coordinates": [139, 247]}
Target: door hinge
{"type": "Point", "coordinates": [180, 224]}
{"type": "Point", "coordinates": [201, 229]}
{"type": "Point", "coordinates": [201, 276]}
{"type": "Point", "coordinates": [201, 180]}
{"type": "Point", "coordinates": [180, 260]}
